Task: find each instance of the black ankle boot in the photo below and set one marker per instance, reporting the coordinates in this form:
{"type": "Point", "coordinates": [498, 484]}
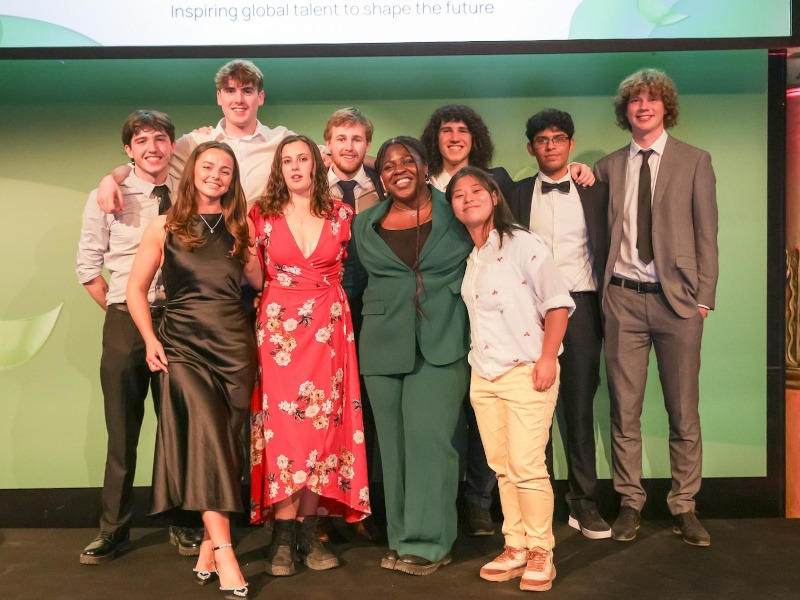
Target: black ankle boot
{"type": "Point", "coordinates": [310, 548]}
{"type": "Point", "coordinates": [280, 556]}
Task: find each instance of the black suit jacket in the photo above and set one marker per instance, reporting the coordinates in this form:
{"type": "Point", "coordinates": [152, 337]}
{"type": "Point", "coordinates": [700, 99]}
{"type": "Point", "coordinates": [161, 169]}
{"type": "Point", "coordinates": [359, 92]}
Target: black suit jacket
{"type": "Point", "coordinates": [594, 200]}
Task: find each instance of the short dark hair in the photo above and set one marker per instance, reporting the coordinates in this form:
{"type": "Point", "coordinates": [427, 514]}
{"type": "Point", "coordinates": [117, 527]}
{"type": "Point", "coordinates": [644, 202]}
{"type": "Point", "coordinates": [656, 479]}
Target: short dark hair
{"type": "Point", "coordinates": [653, 81]}
{"type": "Point", "coordinates": [482, 146]}
{"type": "Point", "coordinates": [146, 120]}
{"type": "Point", "coordinates": [548, 118]}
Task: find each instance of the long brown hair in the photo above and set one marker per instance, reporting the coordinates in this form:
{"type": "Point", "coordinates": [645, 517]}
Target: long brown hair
{"type": "Point", "coordinates": [181, 216]}
{"type": "Point", "coordinates": [275, 200]}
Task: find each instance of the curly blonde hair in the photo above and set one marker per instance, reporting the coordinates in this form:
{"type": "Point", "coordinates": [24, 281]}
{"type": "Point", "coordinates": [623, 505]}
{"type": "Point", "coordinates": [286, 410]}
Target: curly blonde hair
{"type": "Point", "coordinates": [653, 81]}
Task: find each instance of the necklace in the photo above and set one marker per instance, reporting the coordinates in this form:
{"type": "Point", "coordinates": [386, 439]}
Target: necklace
{"type": "Point", "coordinates": [211, 229]}
{"type": "Point", "coordinates": [400, 206]}
{"type": "Point", "coordinates": [287, 213]}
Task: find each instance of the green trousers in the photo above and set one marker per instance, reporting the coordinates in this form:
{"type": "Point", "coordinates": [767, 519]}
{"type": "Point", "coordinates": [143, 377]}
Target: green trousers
{"type": "Point", "coordinates": [415, 417]}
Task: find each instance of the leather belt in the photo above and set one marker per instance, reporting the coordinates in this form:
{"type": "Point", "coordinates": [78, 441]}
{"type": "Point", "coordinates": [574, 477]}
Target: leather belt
{"type": "Point", "coordinates": [584, 294]}
{"type": "Point", "coordinates": [642, 287]}
{"type": "Point", "coordinates": [156, 312]}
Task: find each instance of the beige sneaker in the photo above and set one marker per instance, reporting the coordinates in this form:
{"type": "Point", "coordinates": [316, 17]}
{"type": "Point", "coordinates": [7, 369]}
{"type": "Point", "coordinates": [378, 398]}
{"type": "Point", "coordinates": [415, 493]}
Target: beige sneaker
{"type": "Point", "coordinates": [510, 564]}
{"type": "Point", "coordinates": [540, 571]}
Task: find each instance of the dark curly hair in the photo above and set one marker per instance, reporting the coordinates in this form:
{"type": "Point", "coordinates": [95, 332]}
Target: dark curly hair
{"type": "Point", "coordinates": [657, 83]}
{"type": "Point", "coordinates": [482, 147]}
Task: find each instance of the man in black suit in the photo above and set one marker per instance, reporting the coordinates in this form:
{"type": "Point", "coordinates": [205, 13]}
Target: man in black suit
{"type": "Point", "coordinates": [573, 221]}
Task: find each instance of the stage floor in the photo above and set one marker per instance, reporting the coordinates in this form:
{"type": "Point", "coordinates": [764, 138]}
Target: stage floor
{"type": "Point", "coordinates": [748, 558]}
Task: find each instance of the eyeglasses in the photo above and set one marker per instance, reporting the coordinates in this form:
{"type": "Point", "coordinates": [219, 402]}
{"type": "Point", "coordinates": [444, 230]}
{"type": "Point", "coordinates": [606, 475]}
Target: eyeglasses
{"type": "Point", "coordinates": [558, 141]}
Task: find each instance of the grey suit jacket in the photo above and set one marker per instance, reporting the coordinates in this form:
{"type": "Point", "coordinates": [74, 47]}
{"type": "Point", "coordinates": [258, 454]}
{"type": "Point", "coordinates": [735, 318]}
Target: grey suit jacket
{"type": "Point", "coordinates": [684, 222]}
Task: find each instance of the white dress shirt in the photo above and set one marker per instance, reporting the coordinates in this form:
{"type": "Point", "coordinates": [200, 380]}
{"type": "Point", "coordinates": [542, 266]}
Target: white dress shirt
{"type": "Point", "coordinates": [559, 220]}
{"type": "Point", "coordinates": [508, 291]}
{"type": "Point", "coordinates": [111, 241]}
{"type": "Point", "coordinates": [254, 153]}
{"type": "Point", "coordinates": [440, 181]}
{"type": "Point", "coordinates": [629, 265]}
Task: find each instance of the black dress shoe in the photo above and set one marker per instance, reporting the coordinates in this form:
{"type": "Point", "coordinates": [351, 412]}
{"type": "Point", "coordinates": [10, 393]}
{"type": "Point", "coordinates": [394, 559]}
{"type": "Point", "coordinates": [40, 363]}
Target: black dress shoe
{"type": "Point", "coordinates": [627, 523]}
{"type": "Point", "coordinates": [389, 560]}
{"type": "Point", "coordinates": [689, 528]}
{"type": "Point", "coordinates": [104, 547]}
{"type": "Point", "coordinates": [417, 565]}
{"type": "Point", "coordinates": [187, 539]}
{"type": "Point", "coordinates": [479, 521]}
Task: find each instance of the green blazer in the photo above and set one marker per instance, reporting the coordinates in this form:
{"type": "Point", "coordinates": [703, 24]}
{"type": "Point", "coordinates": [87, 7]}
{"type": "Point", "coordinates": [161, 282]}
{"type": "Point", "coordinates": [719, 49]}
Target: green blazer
{"type": "Point", "coordinates": [393, 328]}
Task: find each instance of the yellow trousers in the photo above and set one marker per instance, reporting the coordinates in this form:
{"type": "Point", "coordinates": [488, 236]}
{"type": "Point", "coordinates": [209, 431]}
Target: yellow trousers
{"type": "Point", "coordinates": [514, 421]}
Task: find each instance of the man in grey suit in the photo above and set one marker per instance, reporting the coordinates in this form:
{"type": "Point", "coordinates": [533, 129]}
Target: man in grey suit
{"type": "Point", "coordinates": [660, 283]}
{"type": "Point", "coordinates": [573, 222]}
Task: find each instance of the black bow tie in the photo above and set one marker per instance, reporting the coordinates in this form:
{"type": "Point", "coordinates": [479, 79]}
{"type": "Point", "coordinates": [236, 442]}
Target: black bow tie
{"type": "Point", "coordinates": [562, 187]}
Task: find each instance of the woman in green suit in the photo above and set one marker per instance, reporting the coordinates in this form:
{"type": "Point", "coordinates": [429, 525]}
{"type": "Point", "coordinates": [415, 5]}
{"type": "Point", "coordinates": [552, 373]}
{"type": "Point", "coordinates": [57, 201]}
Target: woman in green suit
{"type": "Point", "coordinates": [413, 346]}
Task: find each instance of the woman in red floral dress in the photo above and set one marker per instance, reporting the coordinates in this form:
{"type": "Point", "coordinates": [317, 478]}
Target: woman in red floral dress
{"type": "Point", "coordinates": [307, 439]}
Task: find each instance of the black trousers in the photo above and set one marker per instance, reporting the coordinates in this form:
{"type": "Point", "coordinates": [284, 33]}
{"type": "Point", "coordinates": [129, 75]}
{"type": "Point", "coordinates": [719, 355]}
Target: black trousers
{"type": "Point", "coordinates": [125, 379]}
{"type": "Point", "coordinates": [580, 378]}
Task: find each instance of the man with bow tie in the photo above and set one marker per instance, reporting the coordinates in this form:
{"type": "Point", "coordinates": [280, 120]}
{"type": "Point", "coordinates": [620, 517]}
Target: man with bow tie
{"type": "Point", "coordinates": [573, 222]}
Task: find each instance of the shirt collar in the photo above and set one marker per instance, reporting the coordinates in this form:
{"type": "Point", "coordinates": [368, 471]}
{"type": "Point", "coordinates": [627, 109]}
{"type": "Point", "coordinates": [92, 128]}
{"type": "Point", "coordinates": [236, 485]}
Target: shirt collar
{"type": "Point", "coordinates": [543, 177]}
{"type": "Point", "coordinates": [146, 188]}
{"type": "Point", "coordinates": [657, 146]}
{"type": "Point", "coordinates": [360, 178]}
{"type": "Point", "coordinates": [218, 133]}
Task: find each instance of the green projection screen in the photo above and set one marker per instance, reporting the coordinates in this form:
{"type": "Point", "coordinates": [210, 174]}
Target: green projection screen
{"type": "Point", "coordinates": [60, 133]}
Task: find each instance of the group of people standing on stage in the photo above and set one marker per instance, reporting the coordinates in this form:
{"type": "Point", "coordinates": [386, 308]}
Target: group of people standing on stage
{"type": "Point", "coordinates": [450, 279]}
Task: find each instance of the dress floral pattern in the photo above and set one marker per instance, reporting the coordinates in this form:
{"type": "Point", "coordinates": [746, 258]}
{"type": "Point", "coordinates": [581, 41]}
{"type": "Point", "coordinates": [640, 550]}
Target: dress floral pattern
{"type": "Point", "coordinates": [306, 421]}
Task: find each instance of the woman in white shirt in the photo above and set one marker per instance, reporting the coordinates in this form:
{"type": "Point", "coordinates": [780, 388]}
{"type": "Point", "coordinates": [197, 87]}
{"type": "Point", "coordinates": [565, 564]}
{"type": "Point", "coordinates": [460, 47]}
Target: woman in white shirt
{"type": "Point", "coordinates": [518, 309]}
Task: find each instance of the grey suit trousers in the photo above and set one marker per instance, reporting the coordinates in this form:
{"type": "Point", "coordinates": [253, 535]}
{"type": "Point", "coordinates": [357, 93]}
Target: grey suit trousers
{"type": "Point", "coordinates": [634, 323]}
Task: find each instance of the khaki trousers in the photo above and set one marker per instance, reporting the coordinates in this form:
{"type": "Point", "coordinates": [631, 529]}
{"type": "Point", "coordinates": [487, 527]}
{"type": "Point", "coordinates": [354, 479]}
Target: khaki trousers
{"type": "Point", "coordinates": [514, 420]}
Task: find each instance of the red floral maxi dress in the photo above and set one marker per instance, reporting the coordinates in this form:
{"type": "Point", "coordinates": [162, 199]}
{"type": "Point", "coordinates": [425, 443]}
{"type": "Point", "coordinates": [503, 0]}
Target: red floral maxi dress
{"type": "Point", "coordinates": [306, 421]}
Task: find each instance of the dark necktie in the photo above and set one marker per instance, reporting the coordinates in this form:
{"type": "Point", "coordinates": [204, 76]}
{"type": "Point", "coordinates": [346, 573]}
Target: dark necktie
{"type": "Point", "coordinates": [162, 193]}
{"type": "Point", "coordinates": [644, 216]}
{"type": "Point", "coordinates": [562, 187]}
{"type": "Point", "coordinates": [348, 195]}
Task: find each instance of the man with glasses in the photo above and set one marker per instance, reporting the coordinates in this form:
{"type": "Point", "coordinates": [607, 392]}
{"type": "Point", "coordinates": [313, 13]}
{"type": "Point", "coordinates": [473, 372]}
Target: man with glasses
{"type": "Point", "coordinates": [573, 221]}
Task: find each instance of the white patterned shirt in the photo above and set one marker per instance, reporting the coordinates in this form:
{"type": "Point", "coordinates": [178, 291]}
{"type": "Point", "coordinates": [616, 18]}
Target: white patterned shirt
{"type": "Point", "coordinates": [508, 292]}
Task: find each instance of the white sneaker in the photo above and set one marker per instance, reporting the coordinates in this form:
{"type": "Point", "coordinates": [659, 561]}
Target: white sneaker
{"type": "Point", "coordinates": [510, 564]}
{"type": "Point", "coordinates": [539, 572]}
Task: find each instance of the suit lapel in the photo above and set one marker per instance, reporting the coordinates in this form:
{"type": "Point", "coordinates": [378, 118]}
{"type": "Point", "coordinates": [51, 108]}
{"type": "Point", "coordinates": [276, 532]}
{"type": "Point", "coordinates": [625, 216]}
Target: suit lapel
{"type": "Point", "coordinates": [442, 217]}
{"type": "Point", "coordinates": [618, 176]}
{"type": "Point", "coordinates": [665, 170]}
{"type": "Point", "coordinates": [525, 198]}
